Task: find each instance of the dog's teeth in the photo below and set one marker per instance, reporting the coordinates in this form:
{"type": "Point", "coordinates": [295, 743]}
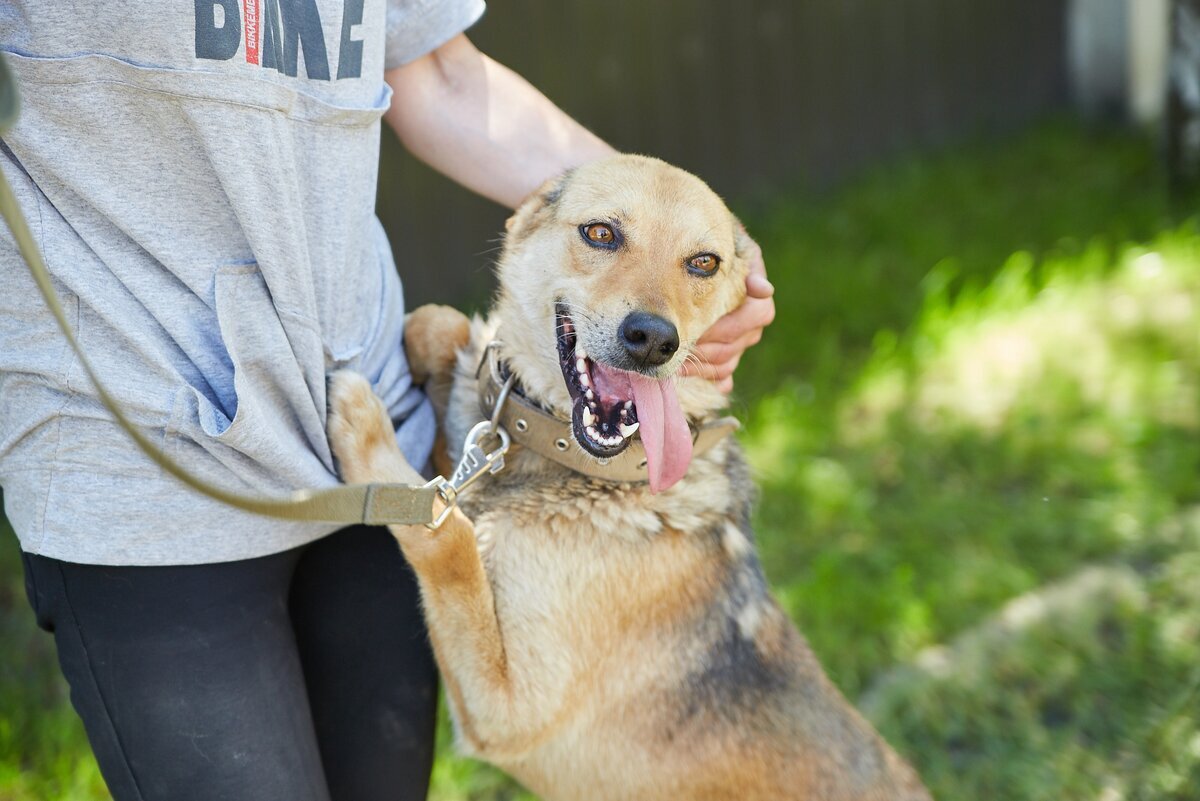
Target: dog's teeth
{"type": "Point", "coordinates": [628, 405]}
{"type": "Point", "coordinates": [580, 353]}
{"type": "Point", "coordinates": [589, 419]}
{"type": "Point", "coordinates": [627, 431]}
{"type": "Point", "coordinates": [592, 432]}
{"type": "Point", "coordinates": [583, 379]}
{"type": "Point", "coordinates": [581, 365]}
{"type": "Point", "coordinates": [624, 413]}
{"type": "Point", "coordinates": [591, 395]}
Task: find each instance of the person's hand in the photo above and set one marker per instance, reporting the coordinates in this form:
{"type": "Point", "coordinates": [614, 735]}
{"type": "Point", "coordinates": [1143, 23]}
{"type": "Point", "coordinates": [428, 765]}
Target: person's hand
{"type": "Point", "coordinates": [721, 347]}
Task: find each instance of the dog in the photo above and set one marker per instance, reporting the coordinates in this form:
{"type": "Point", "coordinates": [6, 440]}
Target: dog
{"type": "Point", "coordinates": [606, 638]}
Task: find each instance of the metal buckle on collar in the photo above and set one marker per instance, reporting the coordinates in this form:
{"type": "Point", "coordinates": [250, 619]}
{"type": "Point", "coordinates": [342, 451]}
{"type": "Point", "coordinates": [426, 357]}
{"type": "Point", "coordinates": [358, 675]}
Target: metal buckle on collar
{"type": "Point", "coordinates": [475, 461]}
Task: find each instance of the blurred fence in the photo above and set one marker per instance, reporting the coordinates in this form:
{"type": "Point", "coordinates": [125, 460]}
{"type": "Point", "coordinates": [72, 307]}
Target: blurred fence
{"type": "Point", "coordinates": [748, 95]}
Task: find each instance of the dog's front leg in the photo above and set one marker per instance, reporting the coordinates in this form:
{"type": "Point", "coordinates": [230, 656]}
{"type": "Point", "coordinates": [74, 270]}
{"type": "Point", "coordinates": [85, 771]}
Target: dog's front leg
{"type": "Point", "coordinates": [493, 719]}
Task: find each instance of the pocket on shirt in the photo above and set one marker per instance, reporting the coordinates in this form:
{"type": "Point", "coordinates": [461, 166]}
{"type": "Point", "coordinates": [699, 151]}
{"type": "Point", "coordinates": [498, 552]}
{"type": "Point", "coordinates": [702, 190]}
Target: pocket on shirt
{"type": "Point", "coordinates": [275, 434]}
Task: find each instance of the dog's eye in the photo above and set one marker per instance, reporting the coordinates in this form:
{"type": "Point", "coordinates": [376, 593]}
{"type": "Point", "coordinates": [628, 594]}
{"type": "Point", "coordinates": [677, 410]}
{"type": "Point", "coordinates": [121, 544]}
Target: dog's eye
{"type": "Point", "coordinates": [703, 265]}
{"type": "Point", "coordinates": [600, 234]}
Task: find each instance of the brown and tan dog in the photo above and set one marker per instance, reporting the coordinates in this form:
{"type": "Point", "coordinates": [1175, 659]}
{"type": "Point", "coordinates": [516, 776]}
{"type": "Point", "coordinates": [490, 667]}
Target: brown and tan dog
{"type": "Point", "coordinates": [603, 639]}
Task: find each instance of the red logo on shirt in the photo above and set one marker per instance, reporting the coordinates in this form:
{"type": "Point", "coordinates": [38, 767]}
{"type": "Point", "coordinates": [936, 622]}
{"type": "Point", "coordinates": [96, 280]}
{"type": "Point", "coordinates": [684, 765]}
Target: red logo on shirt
{"type": "Point", "coordinates": [251, 10]}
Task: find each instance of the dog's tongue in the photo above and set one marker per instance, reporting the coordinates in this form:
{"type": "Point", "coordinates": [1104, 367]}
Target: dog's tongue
{"type": "Point", "coordinates": [665, 433]}
{"type": "Point", "coordinates": [661, 425]}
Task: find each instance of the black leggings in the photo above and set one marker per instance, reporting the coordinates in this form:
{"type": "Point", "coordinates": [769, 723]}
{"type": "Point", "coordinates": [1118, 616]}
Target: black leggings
{"type": "Point", "coordinates": [301, 676]}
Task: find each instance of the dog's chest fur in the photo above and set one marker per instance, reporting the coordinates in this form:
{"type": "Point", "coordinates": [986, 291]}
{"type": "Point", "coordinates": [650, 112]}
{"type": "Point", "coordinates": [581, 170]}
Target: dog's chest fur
{"type": "Point", "coordinates": [625, 620]}
{"type": "Point", "coordinates": [639, 631]}
{"type": "Point", "coordinates": [635, 612]}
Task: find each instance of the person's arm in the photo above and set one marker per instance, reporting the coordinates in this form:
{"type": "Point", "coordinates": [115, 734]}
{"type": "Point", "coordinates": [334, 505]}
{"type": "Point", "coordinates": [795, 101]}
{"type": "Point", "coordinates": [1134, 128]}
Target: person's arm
{"type": "Point", "coordinates": [484, 126]}
{"type": "Point", "coordinates": [481, 124]}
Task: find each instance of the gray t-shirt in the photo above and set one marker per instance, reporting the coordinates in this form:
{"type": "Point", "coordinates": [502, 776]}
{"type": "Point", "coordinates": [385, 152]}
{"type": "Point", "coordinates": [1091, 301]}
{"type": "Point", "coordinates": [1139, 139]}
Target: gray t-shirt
{"type": "Point", "coordinates": [201, 179]}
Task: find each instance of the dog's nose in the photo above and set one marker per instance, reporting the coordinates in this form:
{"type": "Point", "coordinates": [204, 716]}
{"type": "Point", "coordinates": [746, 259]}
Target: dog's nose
{"type": "Point", "coordinates": [648, 338]}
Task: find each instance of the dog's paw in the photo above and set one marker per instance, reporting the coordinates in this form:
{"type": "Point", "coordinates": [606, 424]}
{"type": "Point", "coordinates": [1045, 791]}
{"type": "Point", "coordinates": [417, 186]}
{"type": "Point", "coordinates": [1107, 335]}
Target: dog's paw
{"type": "Point", "coordinates": [360, 431]}
{"type": "Point", "coordinates": [433, 335]}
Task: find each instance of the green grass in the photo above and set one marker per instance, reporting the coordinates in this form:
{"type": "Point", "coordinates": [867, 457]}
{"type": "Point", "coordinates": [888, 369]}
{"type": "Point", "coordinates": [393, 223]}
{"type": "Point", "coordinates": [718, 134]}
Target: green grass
{"type": "Point", "coordinates": [976, 424]}
{"type": "Point", "coordinates": [1012, 438]}
{"type": "Point", "coordinates": [43, 750]}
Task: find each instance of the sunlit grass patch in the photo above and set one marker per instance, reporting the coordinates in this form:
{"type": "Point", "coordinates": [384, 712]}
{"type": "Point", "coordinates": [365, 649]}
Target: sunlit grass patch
{"type": "Point", "coordinates": [1122, 345]}
{"type": "Point", "coordinates": [1018, 431]}
{"type": "Point", "coordinates": [1018, 428]}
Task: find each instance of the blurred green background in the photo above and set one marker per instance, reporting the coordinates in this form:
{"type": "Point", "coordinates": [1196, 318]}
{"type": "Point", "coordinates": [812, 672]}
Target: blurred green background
{"type": "Point", "coordinates": [976, 425]}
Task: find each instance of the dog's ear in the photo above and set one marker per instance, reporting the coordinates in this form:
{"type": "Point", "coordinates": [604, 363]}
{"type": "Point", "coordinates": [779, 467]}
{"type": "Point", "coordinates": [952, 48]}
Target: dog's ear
{"type": "Point", "coordinates": [543, 199]}
{"type": "Point", "coordinates": [744, 248]}
{"type": "Point", "coordinates": [742, 243]}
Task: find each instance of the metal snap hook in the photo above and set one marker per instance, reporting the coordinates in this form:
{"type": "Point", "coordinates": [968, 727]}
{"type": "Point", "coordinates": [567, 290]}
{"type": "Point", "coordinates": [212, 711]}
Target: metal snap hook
{"type": "Point", "coordinates": [494, 423]}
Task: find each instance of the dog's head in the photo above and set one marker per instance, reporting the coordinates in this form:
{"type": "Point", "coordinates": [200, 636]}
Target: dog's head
{"type": "Point", "coordinates": [609, 275]}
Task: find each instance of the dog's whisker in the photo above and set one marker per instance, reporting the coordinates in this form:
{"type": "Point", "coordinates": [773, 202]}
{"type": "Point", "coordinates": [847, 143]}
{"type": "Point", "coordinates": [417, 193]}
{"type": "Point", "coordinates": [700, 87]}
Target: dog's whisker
{"type": "Point", "coordinates": [576, 306]}
{"type": "Point", "coordinates": [691, 356]}
{"type": "Point", "coordinates": [695, 363]}
{"type": "Point", "coordinates": [581, 312]}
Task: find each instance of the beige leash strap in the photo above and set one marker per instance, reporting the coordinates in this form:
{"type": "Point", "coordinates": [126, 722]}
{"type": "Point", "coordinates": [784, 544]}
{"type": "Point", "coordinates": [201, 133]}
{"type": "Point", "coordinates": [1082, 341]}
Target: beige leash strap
{"type": "Point", "coordinates": [373, 504]}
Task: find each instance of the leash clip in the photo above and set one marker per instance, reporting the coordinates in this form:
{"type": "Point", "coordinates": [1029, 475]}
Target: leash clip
{"type": "Point", "coordinates": [475, 461]}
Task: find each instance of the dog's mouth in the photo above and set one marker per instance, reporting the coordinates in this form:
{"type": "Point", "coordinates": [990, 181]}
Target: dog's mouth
{"type": "Point", "coordinates": [603, 412]}
{"type": "Point", "coordinates": [606, 403]}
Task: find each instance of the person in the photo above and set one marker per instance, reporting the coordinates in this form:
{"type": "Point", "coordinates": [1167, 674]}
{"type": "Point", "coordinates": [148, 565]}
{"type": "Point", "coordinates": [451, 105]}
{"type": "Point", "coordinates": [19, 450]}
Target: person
{"type": "Point", "coordinates": [201, 181]}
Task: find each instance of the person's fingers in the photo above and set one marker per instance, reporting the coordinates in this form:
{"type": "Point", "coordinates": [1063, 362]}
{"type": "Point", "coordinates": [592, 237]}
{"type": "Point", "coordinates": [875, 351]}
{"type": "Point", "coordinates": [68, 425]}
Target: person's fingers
{"type": "Point", "coordinates": [753, 313]}
{"type": "Point", "coordinates": [757, 285]}
{"type": "Point", "coordinates": [725, 385]}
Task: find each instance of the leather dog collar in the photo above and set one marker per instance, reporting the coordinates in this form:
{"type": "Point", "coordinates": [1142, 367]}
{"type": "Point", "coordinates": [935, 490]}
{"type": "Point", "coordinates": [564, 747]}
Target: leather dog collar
{"type": "Point", "coordinates": [550, 436]}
